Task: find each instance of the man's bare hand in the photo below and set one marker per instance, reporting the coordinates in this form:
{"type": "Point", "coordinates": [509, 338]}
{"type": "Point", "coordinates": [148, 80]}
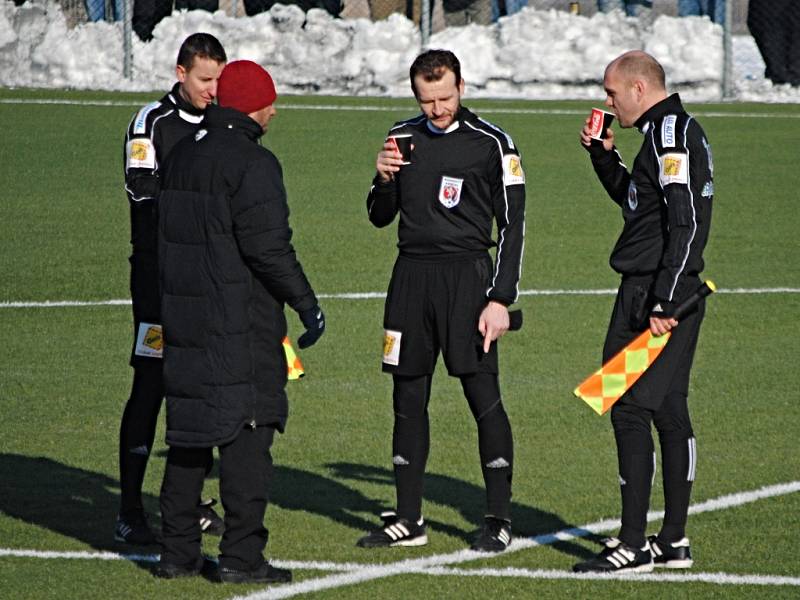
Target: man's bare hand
{"type": "Point", "coordinates": [493, 323]}
{"type": "Point", "coordinates": [389, 161]}
{"type": "Point", "coordinates": [661, 326]}
{"type": "Point", "coordinates": [586, 140]}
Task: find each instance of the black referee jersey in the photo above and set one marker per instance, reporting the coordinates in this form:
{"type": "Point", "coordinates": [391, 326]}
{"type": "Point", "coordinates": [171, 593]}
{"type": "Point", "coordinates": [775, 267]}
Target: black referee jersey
{"type": "Point", "coordinates": [458, 181]}
{"type": "Point", "coordinates": [666, 201]}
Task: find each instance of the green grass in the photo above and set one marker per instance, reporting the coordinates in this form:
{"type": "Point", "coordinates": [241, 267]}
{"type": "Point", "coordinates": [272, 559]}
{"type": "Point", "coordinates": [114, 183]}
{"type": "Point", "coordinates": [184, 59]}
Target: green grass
{"type": "Point", "coordinates": [64, 375]}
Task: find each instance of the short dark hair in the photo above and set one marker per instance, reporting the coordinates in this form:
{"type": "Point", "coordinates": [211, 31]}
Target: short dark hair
{"type": "Point", "coordinates": [432, 65]}
{"type": "Point", "coordinates": [203, 45]}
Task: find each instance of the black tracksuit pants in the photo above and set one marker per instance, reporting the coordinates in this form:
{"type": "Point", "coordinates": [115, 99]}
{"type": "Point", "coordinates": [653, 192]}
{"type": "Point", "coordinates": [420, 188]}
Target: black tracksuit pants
{"type": "Point", "coordinates": [245, 471]}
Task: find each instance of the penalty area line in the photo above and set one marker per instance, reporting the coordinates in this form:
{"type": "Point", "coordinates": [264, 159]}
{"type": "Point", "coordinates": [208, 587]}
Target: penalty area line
{"type": "Point", "coordinates": [382, 295]}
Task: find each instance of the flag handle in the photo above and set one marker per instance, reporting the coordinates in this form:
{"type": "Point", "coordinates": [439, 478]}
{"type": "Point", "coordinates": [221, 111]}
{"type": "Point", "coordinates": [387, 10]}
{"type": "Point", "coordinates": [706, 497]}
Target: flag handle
{"type": "Point", "coordinates": [704, 290]}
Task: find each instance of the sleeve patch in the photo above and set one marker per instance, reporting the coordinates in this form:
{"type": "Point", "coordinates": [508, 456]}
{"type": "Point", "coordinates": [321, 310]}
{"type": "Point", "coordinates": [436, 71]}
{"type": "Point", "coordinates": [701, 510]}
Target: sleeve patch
{"type": "Point", "coordinates": [512, 170]}
{"type": "Point", "coordinates": [140, 154]}
{"type": "Point", "coordinates": [668, 131]}
{"type": "Point", "coordinates": [673, 168]}
{"type": "Point", "coordinates": [140, 122]}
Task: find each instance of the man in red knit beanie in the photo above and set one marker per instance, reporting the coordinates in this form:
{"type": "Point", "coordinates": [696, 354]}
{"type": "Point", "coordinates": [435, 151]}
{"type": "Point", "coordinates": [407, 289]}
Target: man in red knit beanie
{"type": "Point", "coordinates": [227, 269]}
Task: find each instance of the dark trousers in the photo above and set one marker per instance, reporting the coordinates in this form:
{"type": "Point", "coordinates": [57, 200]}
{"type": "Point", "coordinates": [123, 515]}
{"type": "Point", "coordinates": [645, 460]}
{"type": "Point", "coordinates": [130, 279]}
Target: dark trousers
{"type": "Point", "coordinates": [245, 471]}
{"type": "Point", "coordinates": [660, 398]}
{"type": "Point", "coordinates": [775, 25]}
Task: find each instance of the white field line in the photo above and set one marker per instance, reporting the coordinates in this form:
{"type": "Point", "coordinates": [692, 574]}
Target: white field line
{"type": "Point", "coordinates": [399, 108]}
{"type": "Point", "coordinates": [717, 578]}
{"type": "Point", "coordinates": [434, 565]}
{"type": "Point", "coordinates": [373, 572]}
{"type": "Point", "coordinates": [380, 296]}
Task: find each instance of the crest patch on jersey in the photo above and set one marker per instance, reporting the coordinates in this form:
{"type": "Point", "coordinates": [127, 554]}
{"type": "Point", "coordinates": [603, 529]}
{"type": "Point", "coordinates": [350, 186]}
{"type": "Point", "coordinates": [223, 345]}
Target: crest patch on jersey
{"type": "Point", "coordinates": [668, 131]}
{"type": "Point", "coordinates": [450, 191]}
{"type": "Point", "coordinates": [512, 170]}
{"type": "Point", "coordinates": [391, 347]}
{"type": "Point", "coordinates": [633, 196]}
{"type": "Point", "coordinates": [149, 340]}
{"type": "Point", "coordinates": [141, 154]}
{"type": "Point", "coordinates": [200, 135]}
{"type": "Point", "coordinates": [674, 169]}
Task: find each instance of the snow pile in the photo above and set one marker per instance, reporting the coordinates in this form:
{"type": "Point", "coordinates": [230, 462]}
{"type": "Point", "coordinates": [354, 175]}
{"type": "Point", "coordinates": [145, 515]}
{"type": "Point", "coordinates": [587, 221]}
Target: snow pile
{"type": "Point", "coordinates": [532, 54]}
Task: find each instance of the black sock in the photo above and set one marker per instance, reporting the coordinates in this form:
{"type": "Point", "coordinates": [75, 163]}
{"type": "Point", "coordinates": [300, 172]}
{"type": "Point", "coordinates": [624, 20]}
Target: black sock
{"type": "Point", "coordinates": [410, 442]}
{"type": "Point", "coordinates": [495, 442]}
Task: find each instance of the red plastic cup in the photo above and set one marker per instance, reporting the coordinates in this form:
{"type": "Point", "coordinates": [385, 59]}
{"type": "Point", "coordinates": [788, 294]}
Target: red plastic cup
{"type": "Point", "coordinates": [601, 120]}
{"type": "Point", "coordinates": [402, 142]}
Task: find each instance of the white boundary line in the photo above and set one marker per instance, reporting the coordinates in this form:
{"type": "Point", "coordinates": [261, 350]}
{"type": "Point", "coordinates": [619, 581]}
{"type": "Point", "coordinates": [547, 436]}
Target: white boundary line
{"type": "Point", "coordinates": [352, 573]}
{"type": "Point", "coordinates": [717, 578]}
{"type": "Point", "coordinates": [399, 108]}
{"type": "Point", "coordinates": [373, 572]}
{"type": "Point", "coordinates": [379, 296]}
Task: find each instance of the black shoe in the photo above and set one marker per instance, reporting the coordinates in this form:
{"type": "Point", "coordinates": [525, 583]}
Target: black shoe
{"type": "Point", "coordinates": [133, 529]}
{"type": "Point", "coordinates": [395, 532]}
{"type": "Point", "coordinates": [677, 555]}
{"type": "Point", "coordinates": [265, 573]}
{"type": "Point", "coordinates": [165, 570]}
{"type": "Point", "coordinates": [210, 522]}
{"type": "Point", "coordinates": [617, 557]}
{"type": "Point", "coordinates": [494, 537]}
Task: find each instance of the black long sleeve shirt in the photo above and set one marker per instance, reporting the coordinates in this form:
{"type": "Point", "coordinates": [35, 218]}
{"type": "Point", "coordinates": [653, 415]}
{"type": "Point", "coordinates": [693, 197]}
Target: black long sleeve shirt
{"type": "Point", "coordinates": [665, 199]}
{"type": "Point", "coordinates": [458, 182]}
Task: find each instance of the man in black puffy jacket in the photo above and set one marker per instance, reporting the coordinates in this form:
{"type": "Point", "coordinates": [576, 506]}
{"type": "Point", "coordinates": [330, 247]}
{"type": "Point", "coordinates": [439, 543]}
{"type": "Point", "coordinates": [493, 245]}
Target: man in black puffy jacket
{"type": "Point", "coordinates": [227, 267]}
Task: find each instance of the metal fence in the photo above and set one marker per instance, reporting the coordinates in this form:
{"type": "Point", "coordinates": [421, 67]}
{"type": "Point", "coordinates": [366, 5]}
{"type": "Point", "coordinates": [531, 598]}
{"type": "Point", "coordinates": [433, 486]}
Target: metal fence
{"type": "Point", "coordinates": [775, 24]}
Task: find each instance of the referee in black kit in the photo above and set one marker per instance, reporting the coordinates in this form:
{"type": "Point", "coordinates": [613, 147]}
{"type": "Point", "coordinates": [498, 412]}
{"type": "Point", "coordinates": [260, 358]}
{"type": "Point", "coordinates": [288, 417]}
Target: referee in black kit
{"type": "Point", "coordinates": [665, 200]}
{"type": "Point", "coordinates": [458, 174]}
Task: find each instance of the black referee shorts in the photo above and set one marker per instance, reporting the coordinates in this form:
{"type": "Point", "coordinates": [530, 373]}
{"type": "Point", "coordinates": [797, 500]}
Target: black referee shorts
{"type": "Point", "coordinates": [670, 371]}
{"type": "Point", "coordinates": [432, 306]}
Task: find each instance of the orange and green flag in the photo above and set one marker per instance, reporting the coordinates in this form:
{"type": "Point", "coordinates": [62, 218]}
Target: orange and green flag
{"type": "Point", "coordinates": [294, 368]}
{"type": "Point", "coordinates": [605, 386]}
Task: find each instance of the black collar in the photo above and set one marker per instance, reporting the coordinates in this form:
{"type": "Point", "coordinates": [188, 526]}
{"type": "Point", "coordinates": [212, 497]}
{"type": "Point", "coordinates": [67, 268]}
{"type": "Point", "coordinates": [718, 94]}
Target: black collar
{"type": "Point", "coordinates": [230, 118]}
{"type": "Point", "coordinates": [181, 103]}
{"type": "Point", "coordinates": [670, 104]}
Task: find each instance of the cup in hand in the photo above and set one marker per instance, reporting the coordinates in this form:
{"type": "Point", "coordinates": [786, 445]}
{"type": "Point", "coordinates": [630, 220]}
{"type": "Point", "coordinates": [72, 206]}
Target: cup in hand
{"type": "Point", "coordinates": [402, 142]}
{"type": "Point", "coordinates": [601, 120]}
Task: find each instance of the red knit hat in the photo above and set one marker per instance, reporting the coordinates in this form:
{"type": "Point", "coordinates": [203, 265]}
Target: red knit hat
{"type": "Point", "coordinates": [245, 86]}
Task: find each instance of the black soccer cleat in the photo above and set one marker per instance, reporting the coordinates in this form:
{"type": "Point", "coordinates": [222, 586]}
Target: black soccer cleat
{"type": "Point", "coordinates": [395, 532]}
{"type": "Point", "coordinates": [495, 536]}
{"type": "Point", "coordinates": [265, 573]}
{"type": "Point", "coordinates": [165, 570]}
{"type": "Point", "coordinates": [618, 557]}
{"type": "Point", "coordinates": [677, 555]}
{"type": "Point", "coordinates": [133, 529]}
{"type": "Point", "coordinates": [210, 522]}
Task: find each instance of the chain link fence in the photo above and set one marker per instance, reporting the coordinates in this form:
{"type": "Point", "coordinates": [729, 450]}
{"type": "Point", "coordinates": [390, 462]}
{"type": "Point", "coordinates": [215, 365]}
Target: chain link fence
{"type": "Point", "coordinates": [774, 24]}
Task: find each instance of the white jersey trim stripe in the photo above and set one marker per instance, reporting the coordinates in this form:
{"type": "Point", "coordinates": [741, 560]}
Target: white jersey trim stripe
{"type": "Point", "coordinates": [501, 232]}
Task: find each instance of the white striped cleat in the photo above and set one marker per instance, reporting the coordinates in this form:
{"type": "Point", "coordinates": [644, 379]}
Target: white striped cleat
{"type": "Point", "coordinates": [395, 532]}
{"type": "Point", "coordinates": [677, 555]}
{"type": "Point", "coordinates": [618, 557]}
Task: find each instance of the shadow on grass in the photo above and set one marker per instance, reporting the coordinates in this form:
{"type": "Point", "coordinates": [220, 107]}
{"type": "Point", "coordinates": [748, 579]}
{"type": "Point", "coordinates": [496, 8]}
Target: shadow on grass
{"type": "Point", "coordinates": [70, 501]}
{"type": "Point", "coordinates": [470, 500]}
{"type": "Point", "coordinates": [83, 504]}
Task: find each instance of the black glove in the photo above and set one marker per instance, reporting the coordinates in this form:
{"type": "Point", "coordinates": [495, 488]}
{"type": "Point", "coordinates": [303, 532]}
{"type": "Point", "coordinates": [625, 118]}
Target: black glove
{"type": "Point", "coordinates": [314, 321]}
